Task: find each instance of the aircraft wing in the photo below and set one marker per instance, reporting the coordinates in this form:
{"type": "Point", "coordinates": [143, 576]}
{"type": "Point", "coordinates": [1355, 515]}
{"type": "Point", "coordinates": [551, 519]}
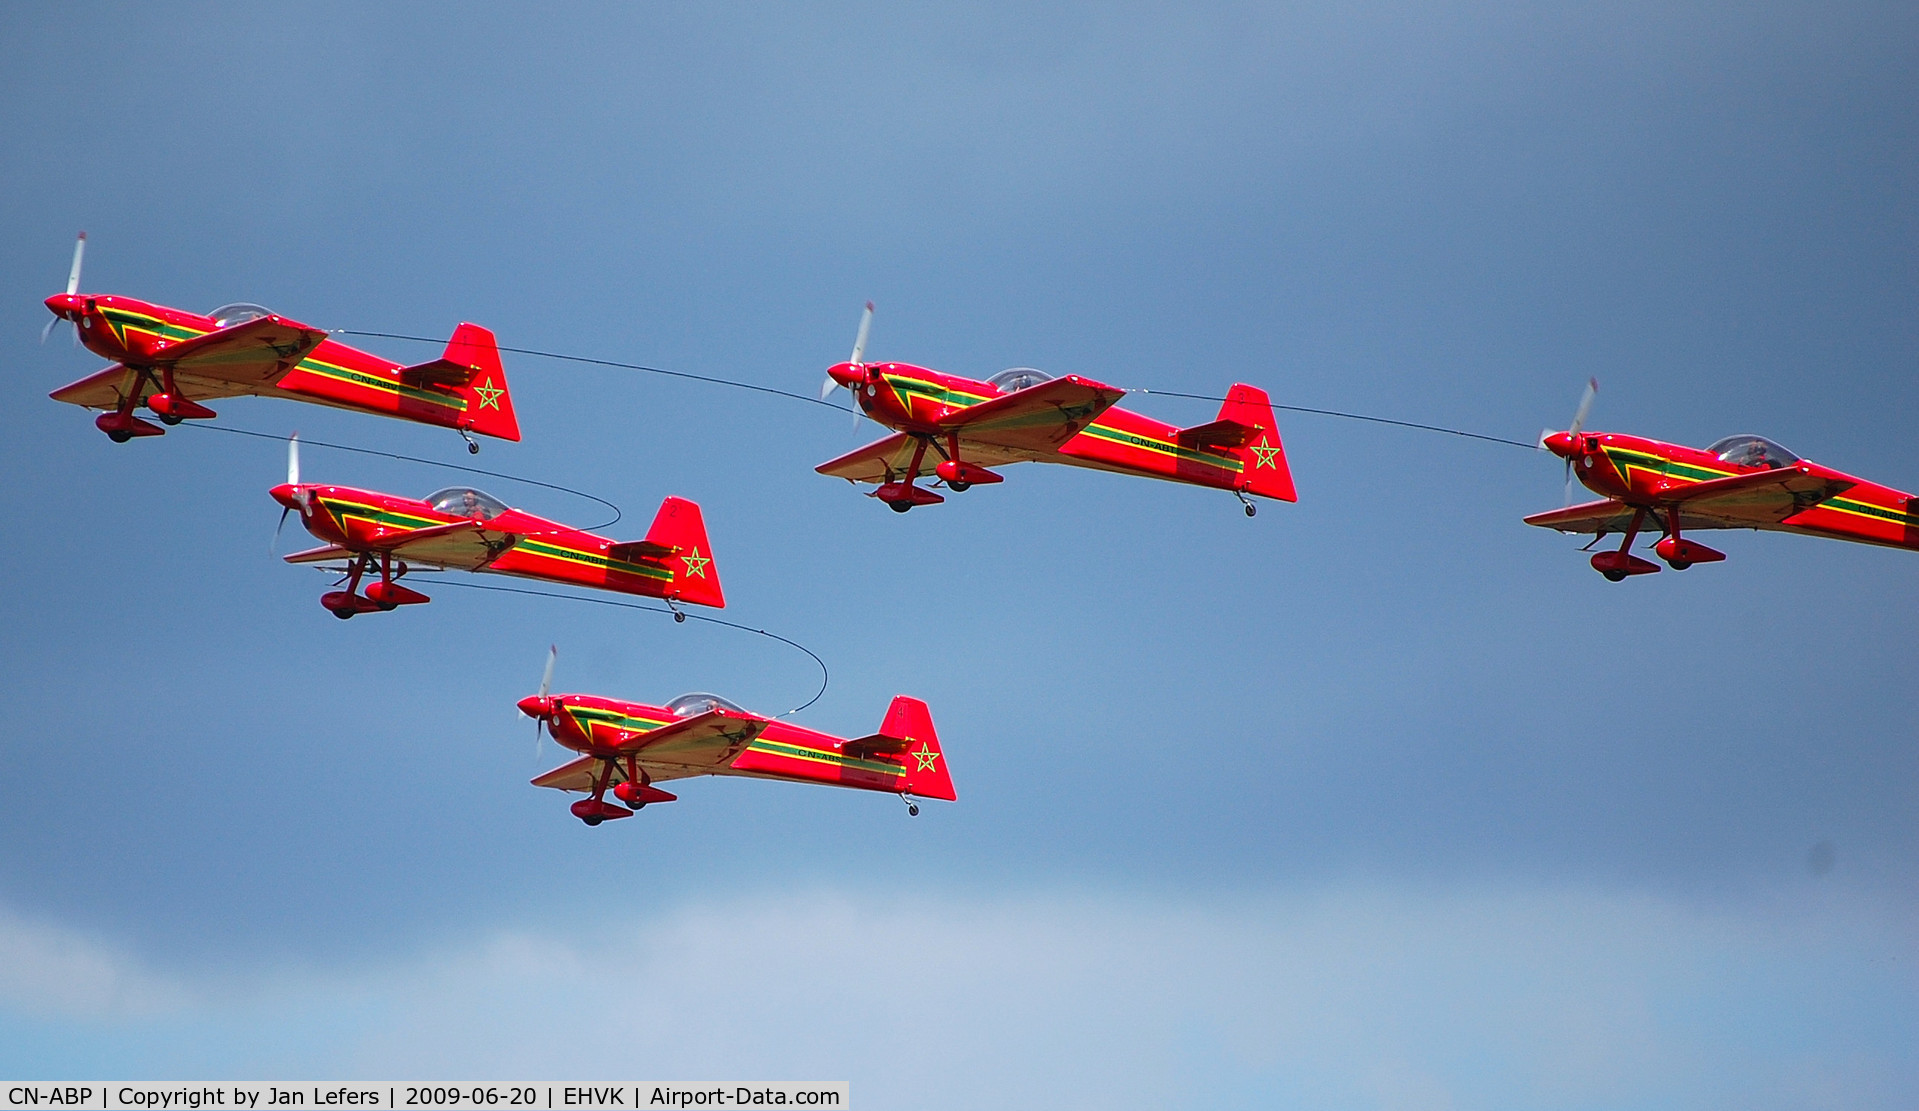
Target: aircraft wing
{"type": "Point", "coordinates": [1038, 418]}
{"type": "Point", "coordinates": [463, 545]}
{"type": "Point", "coordinates": [703, 740]}
{"type": "Point", "coordinates": [1758, 499]}
{"type": "Point", "coordinates": [1597, 516]}
{"type": "Point", "coordinates": [886, 460]}
{"type": "Point", "coordinates": [102, 389]}
{"type": "Point", "coordinates": [259, 350]}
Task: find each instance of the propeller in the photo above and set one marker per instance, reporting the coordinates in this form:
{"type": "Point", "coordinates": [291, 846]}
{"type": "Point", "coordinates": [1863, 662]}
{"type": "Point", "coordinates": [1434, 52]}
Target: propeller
{"type": "Point", "coordinates": [546, 684]}
{"type": "Point", "coordinates": [73, 287]}
{"type": "Point", "coordinates": [856, 359]}
{"type": "Point", "coordinates": [1572, 430]}
{"type": "Point", "coordinates": [293, 479]}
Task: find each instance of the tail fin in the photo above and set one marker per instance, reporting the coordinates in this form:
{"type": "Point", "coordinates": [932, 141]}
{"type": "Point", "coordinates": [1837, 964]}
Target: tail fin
{"type": "Point", "coordinates": [696, 578]}
{"type": "Point", "coordinates": [489, 405]}
{"type": "Point", "coordinates": [926, 776]}
{"type": "Point", "coordinates": [1266, 472]}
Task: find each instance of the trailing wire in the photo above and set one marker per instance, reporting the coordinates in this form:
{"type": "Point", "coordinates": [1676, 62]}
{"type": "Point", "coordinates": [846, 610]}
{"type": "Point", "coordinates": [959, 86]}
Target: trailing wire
{"type": "Point", "coordinates": [824, 675]}
{"type": "Point", "coordinates": [417, 459]}
{"type": "Point", "coordinates": [829, 405]}
{"type": "Point", "coordinates": [1357, 416]}
{"type": "Point", "coordinates": [612, 363]}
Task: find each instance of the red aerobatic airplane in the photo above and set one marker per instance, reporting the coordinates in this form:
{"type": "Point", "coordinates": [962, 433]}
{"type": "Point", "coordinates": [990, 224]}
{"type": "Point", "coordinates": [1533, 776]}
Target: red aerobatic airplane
{"type": "Point", "coordinates": [1024, 415]}
{"type": "Point", "coordinates": [1738, 482]}
{"type": "Point", "coordinates": [629, 747]}
{"type": "Point", "coordinates": [460, 528]}
{"type": "Point", "coordinates": [172, 361]}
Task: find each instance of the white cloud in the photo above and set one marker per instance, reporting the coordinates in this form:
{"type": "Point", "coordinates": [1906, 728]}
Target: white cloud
{"type": "Point", "coordinates": [1349, 998]}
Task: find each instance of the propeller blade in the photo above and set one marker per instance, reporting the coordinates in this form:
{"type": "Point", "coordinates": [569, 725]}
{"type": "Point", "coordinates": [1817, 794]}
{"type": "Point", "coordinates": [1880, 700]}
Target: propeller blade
{"type": "Point", "coordinates": [293, 459]}
{"type": "Point", "coordinates": [826, 388]}
{"type": "Point", "coordinates": [48, 330]}
{"type": "Point", "coordinates": [546, 681]}
{"type": "Point", "coordinates": [1569, 484]}
{"type": "Point", "coordinates": [1585, 406]}
{"type": "Point", "coordinates": [859, 345]}
{"type": "Point", "coordinates": [73, 275]}
{"type": "Point", "coordinates": [273, 548]}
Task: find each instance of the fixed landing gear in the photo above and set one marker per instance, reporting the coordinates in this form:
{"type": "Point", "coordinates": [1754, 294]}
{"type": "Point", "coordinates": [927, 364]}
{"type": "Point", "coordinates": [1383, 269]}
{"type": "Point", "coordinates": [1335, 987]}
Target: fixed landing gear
{"type": "Point", "coordinates": [1616, 566]}
{"type": "Point", "coordinates": [912, 808]}
{"type": "Point", "coordinates": [1680, 554]}
{"type": "Point", "coordinates": [1251, 509]}
{"type": "Point", "coordinates": [472, 445]}
{"type": "Point", "coordinates": [383, 596]}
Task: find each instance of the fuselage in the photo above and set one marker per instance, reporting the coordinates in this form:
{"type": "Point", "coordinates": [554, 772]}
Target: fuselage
{"type": "Point", "coordinates": [915, 399]}
{"type": "Point", "coordinates": [598, 726]}
{"type": "Point", "coordinates": [1644, 473]}
{"type": "Point", "coordinates": [138, 333]}
{"type": "Point", "coordinates": [364, 521]}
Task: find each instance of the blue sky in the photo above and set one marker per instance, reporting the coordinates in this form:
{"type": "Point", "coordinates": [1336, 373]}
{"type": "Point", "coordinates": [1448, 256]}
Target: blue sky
{"type": "Point", "coordinates": [1569, 839]}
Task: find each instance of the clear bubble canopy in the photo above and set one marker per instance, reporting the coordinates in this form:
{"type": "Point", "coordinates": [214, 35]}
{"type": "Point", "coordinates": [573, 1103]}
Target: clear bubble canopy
{"type": "Point", "coordinates": [238, 313]}
{"type": "Point", "coordinates": [465, 501]}
{"type": "Point", "coordinates": [686, 705]}
{"type": "Point", "coordinates": [1747, 450]}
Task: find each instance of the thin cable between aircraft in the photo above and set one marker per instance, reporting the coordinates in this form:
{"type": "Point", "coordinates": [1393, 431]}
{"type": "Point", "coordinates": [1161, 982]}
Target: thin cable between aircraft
{"type": "Point", "coordinates": [839, 408]}
{"type": "Point", "coordinates": [825, 676]}
{"type": "Point", "coordinates": [418, 459]}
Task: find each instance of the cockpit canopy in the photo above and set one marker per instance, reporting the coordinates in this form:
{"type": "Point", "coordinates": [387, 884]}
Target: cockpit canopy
{"type": "Point", "coordinates": [238, 313]}
{"type": "Point", "coordinates": [687, 705]}
{"type": "Point", "coordinates": [1752, 451]}
{"type": "Point", "coordinates": [464, 501]}
{"type": "Point", "coordinates": [1018, 378]}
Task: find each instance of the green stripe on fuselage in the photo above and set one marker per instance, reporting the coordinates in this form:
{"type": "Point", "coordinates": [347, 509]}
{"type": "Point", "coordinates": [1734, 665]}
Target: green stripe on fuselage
{"type": "Point", "coordinates": [822, 756]}
{"type": "Point", "coordinates": [1113, 435]}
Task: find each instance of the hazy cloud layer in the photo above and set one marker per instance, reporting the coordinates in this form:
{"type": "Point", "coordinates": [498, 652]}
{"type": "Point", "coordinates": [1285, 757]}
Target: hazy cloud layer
{"type": "Point", "coordinates": [1355, 997]}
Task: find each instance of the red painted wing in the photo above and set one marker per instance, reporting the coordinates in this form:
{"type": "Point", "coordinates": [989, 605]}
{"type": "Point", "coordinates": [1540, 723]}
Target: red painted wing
{"type": "Point", "coordinates": [259, 350]}
{"type": "Point", "coordinates": [703, 740]}
{"type": "Point", "coordinates": [465, 545]}
{"type": "Point", "coordinates": [1759, 500]}
{"type": "Point", "coordinates": [1037, 418]}
{"type": "Point", "coordinates": [1598, 516]}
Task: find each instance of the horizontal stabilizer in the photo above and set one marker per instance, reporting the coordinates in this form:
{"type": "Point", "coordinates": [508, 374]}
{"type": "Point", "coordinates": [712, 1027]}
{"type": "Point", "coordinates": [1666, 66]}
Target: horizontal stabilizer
{"type": "Point", "coordinates": [1219, 433]}
{"type": "Point", "coordinates": [878, 744]}
{"type": "Point", "coordinates": [440, 372]}
{"type": "Point", "coordinates": [641, 549]}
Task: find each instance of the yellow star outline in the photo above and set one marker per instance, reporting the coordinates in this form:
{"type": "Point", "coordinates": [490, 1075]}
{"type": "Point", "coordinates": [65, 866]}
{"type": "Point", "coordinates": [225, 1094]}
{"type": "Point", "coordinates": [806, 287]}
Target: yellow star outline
{"type": "Point", "coordinates": [1263, 454]}
{"type": "Point", "coordinates": [696, 564]}
{"type": "Point", "coordinates": [489, 394]}
{"type": "Point", "coordinates": [926, 756]}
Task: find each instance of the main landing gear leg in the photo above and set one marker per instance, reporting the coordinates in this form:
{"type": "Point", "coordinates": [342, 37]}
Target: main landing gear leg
{"type": "Point", "coordinates": [345, 603]}
{"type": "Point", "coordinates": [1617, 565]}
{"type": "Point", "coordinates": [1679, 553]}
{"type": "Point", "coordinates": [595, 810]}
{"type": "Point", "coordinates": [121, 425]}
{"type": "Point", "coordinates": [902, 496]}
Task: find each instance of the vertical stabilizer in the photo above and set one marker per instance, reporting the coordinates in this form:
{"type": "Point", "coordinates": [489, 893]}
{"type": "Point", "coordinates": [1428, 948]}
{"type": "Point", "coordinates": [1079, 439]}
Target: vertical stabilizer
{"type": "Point", "coordinates": [696, 577]}
{"type": "Point", "coordinates": [926, 775]}
{"type": "Point", "coordinates": [489, 405]}
{"type": "Point", "coordinates": [1266, 471]}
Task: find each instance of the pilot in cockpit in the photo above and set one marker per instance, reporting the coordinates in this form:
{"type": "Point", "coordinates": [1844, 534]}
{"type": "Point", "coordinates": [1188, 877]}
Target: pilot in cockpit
{"type": "Point", "coordinates": [470, 506]}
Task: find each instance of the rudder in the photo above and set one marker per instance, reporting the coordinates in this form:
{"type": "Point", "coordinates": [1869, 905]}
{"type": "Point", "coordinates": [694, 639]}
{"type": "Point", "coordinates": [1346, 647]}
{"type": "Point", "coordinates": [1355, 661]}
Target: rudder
{"type": "Point", "coordinates": [489, 404]}
{"type": "Point", "coordinates": [926, 775]}
{"type": "Point", "coordinates": [1266, 472]}
{"type": "Point", "coordinates": [696, 578]}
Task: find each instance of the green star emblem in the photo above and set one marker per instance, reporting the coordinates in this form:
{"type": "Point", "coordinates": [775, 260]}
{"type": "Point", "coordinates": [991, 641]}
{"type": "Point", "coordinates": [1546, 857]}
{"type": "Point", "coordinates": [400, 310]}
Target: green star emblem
{"type": "Point", "coordinates": [696, 564]}
{"type": "Point", "coordinates": [926, 756]}
{"type": "Point", "coordinates": [1263, 454]}
{"type": "Point", "coordinates": [489, 394]}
